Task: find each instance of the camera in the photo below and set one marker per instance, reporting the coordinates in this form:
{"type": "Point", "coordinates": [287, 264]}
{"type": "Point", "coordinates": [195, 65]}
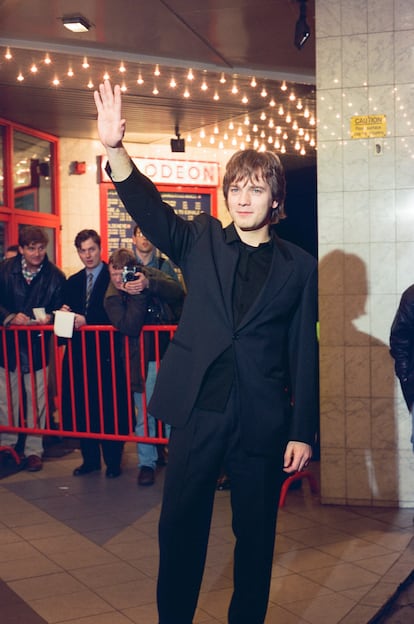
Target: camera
{"type": "Point", "coordinates": [129, 273]}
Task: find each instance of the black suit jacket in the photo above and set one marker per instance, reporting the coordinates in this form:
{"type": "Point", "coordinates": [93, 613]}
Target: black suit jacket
{"type": "Point", "coordinates": [274, 346]}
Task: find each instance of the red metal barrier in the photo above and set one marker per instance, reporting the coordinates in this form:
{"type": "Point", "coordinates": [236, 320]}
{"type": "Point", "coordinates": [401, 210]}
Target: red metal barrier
{"type": "Point", "coordinates": [53, 351]}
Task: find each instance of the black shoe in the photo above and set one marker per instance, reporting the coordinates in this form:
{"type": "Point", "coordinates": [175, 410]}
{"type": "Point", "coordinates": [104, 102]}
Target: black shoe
{"type": "Point", "coordinates": [146, 476]}
{"type": "Point", "coordinates": [84, 469]}
{"type": "Point", "coordinates": [113, 473]}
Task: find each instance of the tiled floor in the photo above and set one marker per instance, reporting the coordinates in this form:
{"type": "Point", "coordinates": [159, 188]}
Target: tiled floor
{"type": "Point", "coordinates": [84, 551]}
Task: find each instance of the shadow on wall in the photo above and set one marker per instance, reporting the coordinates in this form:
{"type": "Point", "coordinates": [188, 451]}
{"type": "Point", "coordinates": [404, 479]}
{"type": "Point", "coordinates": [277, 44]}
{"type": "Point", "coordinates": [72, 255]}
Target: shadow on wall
{"type": "Point", "coordinates": [358, 424]}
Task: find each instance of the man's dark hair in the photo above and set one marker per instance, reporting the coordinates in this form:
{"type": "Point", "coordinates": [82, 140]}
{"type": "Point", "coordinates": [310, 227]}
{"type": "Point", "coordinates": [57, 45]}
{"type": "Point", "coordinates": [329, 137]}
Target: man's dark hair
{"type": "Point", "coordinates": [31, 234]}
{"type": "Point", "coordinates": [83, 235]}
{"type": "Point", "coordinates": [254, 165]}
{"type": "Point", "coordinates": [121, 258]}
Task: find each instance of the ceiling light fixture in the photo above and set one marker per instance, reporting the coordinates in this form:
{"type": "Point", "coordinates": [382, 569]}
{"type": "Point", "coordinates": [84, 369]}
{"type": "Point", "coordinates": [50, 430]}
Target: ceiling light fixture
{"type": "Point", "coordinates": [302, 30]}
{"type": "Point", "coordinates": [76, 23]}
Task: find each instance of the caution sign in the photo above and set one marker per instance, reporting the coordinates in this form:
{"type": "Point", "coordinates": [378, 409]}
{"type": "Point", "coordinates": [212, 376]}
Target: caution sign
{"type": "Point", "coordinates": [368, 126]}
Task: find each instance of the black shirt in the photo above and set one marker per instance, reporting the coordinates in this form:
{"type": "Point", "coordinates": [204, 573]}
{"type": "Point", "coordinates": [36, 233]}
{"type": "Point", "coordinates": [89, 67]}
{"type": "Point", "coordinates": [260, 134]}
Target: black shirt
{"type": "Point", "coordinates": [252, 270]}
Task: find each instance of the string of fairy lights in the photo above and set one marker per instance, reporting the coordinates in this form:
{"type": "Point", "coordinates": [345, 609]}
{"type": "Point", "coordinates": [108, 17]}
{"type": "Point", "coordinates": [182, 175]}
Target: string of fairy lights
{"type": "Point", "coordinates": [263, 113]}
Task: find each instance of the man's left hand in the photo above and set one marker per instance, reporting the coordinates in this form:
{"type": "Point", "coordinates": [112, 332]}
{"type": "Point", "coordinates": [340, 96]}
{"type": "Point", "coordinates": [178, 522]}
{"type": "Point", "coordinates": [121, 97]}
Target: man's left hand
{"type": "Point", "coordinates": [297, 456]}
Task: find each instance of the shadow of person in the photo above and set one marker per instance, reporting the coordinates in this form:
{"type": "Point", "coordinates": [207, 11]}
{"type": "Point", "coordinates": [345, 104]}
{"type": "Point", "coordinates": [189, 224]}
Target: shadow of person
{"type": "Point", "coordinates": [358, 423]}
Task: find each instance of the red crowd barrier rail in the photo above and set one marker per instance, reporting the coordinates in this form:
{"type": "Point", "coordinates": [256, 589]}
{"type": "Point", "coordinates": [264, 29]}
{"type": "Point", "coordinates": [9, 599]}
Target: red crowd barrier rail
{"type": "Point", "coordinates": [84, 383]}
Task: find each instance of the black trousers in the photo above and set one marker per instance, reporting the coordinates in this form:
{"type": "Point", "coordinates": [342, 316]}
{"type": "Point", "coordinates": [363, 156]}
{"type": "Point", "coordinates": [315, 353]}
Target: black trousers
{"type": "Point", "coordinates": [111, 451]}
{"type": "Point", "coordinates": [197, 453]}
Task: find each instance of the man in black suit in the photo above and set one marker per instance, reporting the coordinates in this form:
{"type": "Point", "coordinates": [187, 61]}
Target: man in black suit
{"type": "Point", "coordinates": [238, 383]}
{"type": "Point", "coordinates": [84, 295]}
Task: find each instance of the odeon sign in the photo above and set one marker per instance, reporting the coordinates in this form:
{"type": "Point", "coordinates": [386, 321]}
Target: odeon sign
{"type": "Point", "coordinates": [185, 172]}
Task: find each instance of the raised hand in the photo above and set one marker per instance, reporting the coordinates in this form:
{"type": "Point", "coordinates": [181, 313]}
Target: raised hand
{"type": "Point", "coordinates": [111, 127]}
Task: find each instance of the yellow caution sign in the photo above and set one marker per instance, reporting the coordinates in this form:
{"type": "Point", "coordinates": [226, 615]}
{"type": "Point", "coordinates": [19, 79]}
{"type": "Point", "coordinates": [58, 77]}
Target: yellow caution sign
{"type": "Point", "coordinates": [368, 126]}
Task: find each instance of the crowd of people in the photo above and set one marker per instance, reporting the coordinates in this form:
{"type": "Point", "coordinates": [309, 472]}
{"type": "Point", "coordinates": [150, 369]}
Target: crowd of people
{"type": "Point", "coordinates": [122, 293]}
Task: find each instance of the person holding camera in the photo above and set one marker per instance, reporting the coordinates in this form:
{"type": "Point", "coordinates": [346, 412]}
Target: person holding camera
{"type": "Point", "coordinates": [139, 295]}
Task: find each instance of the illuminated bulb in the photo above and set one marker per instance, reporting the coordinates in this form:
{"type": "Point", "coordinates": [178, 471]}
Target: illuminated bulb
{"type": "Point", "coordinates": [106, 76]}
{"type": "Point", "coordinates": [281, 110]}
{"type": "Point", "coordinates": [272, 103]}
{"type": "Point", "coordinates": [55, 81]}
{"type": "Point", "coordinates": [216, 130]}
{"type": "Point", "coordinates": [155, 90]}
{"type": "Point", "coordinates": [85, 63]}
{"type": "Point", "coordinates": [20, 77]}
{"type": "Point", "coordinates": [222, 78]}
{"type": "Point", "coordinates": [189, 138]}
{"type": "Point", "coordinates": [307, 137]}
{"type": "Point", "coordinates": [306, 112]}
{"type": "Point", "coordinates": [190, 75]}
{"type": "Point", "coordinates": [90, 84]}
{"type": "Point", "coordinates": [312, 142]}
{"type": "Point", "coordinates": [140, 79]}
{"type": "Point", "coordinates": [212, 140]}
{"type": "Point", "coordinates": [202, 133]}
{"type": "Point", "coordinates": [123, 87]}
{"type": "Point", "coordinates": [248, 139]}
{"type": "Point", "coordinates": [242, 146]}
{"type": "Point", "coordinates": [157, 71]}
{"type": "Point", "coordinates": [283, 87]}
{"type": "Point", "coordinates": [231, 126]}
{"type": "Point", "coordinates": [288, 118]}
{"type": "Point", "coordinates": [263, 116]}
{"type": "Point", "coordinates": [262, 148]}
{"type": "Point", "coordinates": [263, 92]}
{"type": "Point", "coordinates": [283, 149]}
{"type": "Point", "coordinates": [271, 123]}
{"type": "Point", "coordinates": [199, 144]}
{"type": "Point", "coordinates": [302, 151]}
{"type": "Point", "coordinates": [122, 68]}
{"type": "Point", "coordinates": [256, 144]}
{"type": "Point", "coordinates": [301, 132]}
{"type": "Point", "coordinates": [216, 96]}
{"type": "Point", "coordinates": [270, 139]}
{"type": "Point", "coordinates": [253, 82]}
{"type": "Point", "coordinates": [255, 128]}
{"type": "Point", "coordinates": [234, 142]}
{"type": "Point", "coordinates": [225, 136]}
{"type": "Point", "coordinates": [295, 125]}
{"type": "Point", "coordinates": [312, 121]}
{"type": "Point", "coordinates": [239, 132]}
{"type": "Point", "coordinates": [186, 93]}
{"type": "Point", "coordinates": [204, 86]}
{"type": "Point", "coordinates": [245, 99]}
{"type": "Point", "coordinates": [246, 120]}
{"type": "Point", "coordinates": [221, 145]}
{"type": "Point", "coordinates": [47, 60]}
{"type": "Point", "coordinates": [297, 146]}
{"type": "Point", "coordinates": [33, 69]}
{"type": "Point", "coordinates": [262, 134]}
{"type": "Point", "coordinates": [278, 130]}
{"type": "Point", "coordinates": [8, 54]}
{"type": "Point", "coordinates": [173, 84]}
{"type": "Point", "coordinates": [299, 104]}
{"type": "Point", "coordinates": [285, 136]}
{"type": "Point", "coordinates": [70, 72]}
{"type": "Point", "coordinates": [277, 144]}
{"type": "Point", "coordinates": [292, 97]}
{"type": "Point", "coordinates": [234, 89]}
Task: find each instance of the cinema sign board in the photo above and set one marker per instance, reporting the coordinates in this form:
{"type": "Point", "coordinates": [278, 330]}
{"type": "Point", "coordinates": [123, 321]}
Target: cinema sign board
{"type": "Point", "coordinates": [176, 172]}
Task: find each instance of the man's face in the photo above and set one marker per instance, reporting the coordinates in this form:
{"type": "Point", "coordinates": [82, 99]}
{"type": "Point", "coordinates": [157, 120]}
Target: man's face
{"type": "Point", "coordinates": [34, 254]}
{"type": "Point", "coordinates": [116, 277]}
{"type": "Point", "coordinates": [141, 243]}
{"type": "Point", "coordinates": [90, 253]}
{"type": "Point", "coordinates": [250, 203]}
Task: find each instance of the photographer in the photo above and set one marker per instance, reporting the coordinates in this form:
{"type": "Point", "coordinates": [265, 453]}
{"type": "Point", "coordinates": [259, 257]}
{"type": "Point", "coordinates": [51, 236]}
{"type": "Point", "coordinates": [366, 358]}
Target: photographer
{"type": "Point", "coordinates": [139, 295]}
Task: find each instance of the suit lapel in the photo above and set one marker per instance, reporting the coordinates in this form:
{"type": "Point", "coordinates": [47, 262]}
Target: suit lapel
{"type": "Point", "coordinates": [278, 277]}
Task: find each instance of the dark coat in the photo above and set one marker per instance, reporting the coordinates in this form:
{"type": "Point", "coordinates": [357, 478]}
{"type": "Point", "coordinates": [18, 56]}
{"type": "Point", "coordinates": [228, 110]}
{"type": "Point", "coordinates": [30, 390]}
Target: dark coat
{"type": "Point", "coordinates": [111, 372]}
{"type": "Point", "coordinates": [16, 295]}
{"type": "Point", "coordinates": [275, 344]}
{"type": "Point", "coordinates": [402, 345]}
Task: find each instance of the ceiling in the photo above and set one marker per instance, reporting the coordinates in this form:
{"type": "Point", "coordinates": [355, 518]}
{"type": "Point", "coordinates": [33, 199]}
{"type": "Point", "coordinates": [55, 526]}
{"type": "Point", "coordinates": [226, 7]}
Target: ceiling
{"type": "Point", "coordinates": [247, 43]}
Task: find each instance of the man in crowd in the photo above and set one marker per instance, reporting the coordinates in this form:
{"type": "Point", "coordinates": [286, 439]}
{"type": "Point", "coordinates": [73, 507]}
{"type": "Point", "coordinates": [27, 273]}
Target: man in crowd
{"type": "Point", "coordinates": [402, 349]}
{"type": "Point", "coordinates": [27, 281]}
{"type": "Point", "coordinates": [238, 383]}
{"type": "Point", "coordinates": [84, 295]}
{"type": "Point", "coordinates": [124, 310]}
